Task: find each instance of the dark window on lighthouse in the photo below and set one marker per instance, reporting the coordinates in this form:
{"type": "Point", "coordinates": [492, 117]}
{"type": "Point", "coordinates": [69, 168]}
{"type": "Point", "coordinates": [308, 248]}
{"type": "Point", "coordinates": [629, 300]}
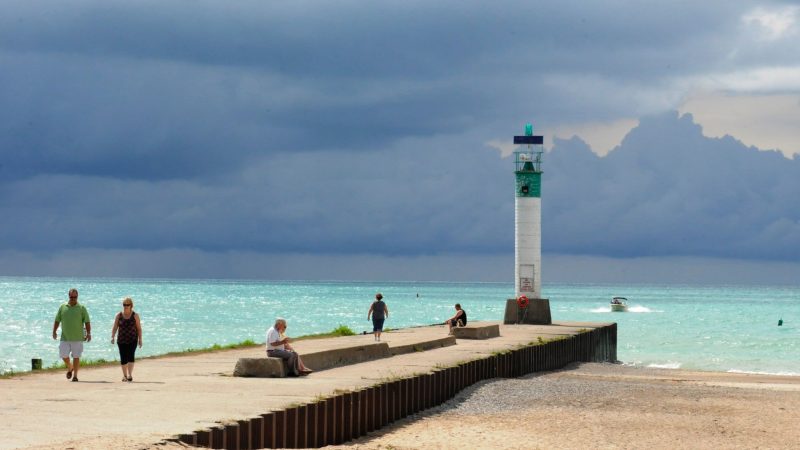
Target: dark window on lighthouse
{"type": "Point", "coordinates": [524, 189]}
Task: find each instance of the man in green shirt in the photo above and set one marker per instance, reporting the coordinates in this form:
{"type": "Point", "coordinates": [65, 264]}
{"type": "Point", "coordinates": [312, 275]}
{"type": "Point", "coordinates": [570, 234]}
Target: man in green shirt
{"type": "Point", "coordinates": [72, 318]}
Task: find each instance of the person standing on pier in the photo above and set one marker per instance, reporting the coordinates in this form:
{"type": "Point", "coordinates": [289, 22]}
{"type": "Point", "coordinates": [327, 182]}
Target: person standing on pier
{"type": "Point", "coordinates": [130, 333]}
{"type": "Point", "coordinates": [379, 312]}
{"type": "Point", "coordinates": [72, 317]}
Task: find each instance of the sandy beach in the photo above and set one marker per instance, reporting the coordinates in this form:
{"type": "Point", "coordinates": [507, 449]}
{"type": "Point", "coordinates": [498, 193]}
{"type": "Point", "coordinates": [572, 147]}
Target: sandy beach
{"type": "Point", "coordinates": [608, 406]}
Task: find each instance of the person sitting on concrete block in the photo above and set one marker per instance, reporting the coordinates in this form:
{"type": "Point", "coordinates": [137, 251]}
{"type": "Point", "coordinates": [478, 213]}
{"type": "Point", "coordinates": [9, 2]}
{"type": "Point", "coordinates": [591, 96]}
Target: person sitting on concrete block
{"type": "Point", "coordinates": [459, 319]}
{"type": "Point", "coordinates": [278, 347]}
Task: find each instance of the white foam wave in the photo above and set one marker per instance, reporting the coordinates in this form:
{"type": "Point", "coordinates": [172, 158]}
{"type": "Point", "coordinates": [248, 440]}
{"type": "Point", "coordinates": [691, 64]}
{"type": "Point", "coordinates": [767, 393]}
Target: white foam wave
{"type": "Point", "coordinates": [604, 309]}
{"type": "Point", "coordinates": [757, 372]}
{"type": "Point", "coordinates": [670, 365]}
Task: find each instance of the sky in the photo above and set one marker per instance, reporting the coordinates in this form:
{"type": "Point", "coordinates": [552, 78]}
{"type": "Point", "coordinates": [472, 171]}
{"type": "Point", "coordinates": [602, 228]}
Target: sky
{"type": "Point", "coordinates": [371, 140]}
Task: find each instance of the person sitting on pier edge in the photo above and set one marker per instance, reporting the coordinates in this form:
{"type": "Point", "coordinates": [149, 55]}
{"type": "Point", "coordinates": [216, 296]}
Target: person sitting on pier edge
{"type": "Point", "coordinates": [459, 319]}
{"type": "Point", "coordinates": [278, 347]}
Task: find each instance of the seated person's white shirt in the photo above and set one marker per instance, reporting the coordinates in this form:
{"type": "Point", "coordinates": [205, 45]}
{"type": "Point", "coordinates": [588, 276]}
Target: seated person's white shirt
{"type": "Point", "coordinates": [272, 336]}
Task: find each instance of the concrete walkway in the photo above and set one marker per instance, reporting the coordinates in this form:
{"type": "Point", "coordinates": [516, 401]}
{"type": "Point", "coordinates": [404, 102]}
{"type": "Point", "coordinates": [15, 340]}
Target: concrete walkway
{"type": "Point", "coordinates": [181, 394]}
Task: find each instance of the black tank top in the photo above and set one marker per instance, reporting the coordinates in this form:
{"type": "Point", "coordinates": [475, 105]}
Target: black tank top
{"type": "Point", "coordinates": [463, 317]}
{"type": "Point", "coordinates": [128, 334]}
{"type": "Point", "coordinates": [379, 310]}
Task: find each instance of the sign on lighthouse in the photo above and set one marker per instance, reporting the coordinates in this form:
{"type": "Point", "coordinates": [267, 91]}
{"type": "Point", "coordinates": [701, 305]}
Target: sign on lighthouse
{"type": "Point", "coordinates": [528, 306]}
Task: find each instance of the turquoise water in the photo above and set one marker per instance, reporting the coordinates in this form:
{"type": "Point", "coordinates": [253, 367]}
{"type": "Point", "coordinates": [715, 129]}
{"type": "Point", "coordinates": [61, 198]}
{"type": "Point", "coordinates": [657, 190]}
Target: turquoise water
{"type": "Point", "coordinates": [720, 328]}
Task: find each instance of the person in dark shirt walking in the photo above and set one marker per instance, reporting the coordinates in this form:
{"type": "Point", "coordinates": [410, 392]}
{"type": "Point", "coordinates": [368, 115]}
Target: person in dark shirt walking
{"type": "Point", "coordinates": [130, 334]}
{"type": "Point", "coordinates": [379, 312]}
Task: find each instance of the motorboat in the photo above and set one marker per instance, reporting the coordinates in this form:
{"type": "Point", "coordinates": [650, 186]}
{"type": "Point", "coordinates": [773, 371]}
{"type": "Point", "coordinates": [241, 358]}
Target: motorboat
{"type": "Point", "coordinates": [619, 304]}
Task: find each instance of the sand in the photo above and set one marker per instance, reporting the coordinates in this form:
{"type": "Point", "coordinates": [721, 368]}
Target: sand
{"type": "Point", "coordinates": [608, 406]}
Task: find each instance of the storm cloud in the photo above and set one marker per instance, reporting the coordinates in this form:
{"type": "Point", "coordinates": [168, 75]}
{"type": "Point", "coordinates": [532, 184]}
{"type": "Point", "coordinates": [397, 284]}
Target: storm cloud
{"type": "Point", "coordinates": [668, 190]}
{"type": "Point", "coordinates": [359, 130]}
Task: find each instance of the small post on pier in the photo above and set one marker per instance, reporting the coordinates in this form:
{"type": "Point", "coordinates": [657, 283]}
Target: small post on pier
{"type": "Point", "coordinates": [36, 364]}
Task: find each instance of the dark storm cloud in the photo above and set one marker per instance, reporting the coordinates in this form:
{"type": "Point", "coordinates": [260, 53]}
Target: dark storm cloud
{"type": "Point", "coordinates": [665, 191]}
{"type": "Point", "coordinates": [668, 190]}
{"type": "Point", "coordinates": [329, 40]}
{"type": "Point", "coordinates": [180, 90]}
{"type": "Point", "coordinates": [404, 200]}
{"type": "Point", "coordinates": [355, 128]}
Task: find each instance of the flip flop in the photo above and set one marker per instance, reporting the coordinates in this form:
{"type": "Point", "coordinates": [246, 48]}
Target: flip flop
{"type": "Point", "coordinates": [130, 379]}
{"type": "Point", "coordinates": [75, 379]}
{"type": "Point", "coordinates": [69, 374]}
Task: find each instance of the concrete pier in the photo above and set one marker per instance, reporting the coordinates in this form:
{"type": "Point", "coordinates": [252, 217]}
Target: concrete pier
{"type": "Point", "coordinates": [195, 398]}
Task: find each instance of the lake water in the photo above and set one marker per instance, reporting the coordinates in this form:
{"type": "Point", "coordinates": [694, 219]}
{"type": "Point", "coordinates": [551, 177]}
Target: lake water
{"type": "Point", "coordinates": [719, 328]}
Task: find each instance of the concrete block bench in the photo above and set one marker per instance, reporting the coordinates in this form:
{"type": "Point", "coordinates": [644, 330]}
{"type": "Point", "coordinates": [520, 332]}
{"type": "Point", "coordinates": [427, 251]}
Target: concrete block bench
{"type": "Point", "coordinates": [445, 341]}
{"type": "Point", "coordinates": [477, 331]}
{"type": "Point", "coordinates": [267, 367]}
{"type": "Point", "coordinates": [260, 368]}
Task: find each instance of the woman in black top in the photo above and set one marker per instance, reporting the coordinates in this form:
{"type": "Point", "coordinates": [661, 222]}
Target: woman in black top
{"type": "Point", "coordinates": [130, 333]}
{"type": "Point", "coordinates": [379, 312]}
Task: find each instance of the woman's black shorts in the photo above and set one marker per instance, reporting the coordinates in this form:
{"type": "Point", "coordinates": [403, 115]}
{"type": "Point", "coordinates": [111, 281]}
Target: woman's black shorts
{"type": "Point", "coordinates": [127, 353]}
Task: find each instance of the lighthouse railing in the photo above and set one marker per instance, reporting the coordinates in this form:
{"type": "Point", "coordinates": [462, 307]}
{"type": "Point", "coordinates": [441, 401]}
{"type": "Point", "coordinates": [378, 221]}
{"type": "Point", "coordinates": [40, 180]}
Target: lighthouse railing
{"type": "Point", "coordinates": [528, 160]}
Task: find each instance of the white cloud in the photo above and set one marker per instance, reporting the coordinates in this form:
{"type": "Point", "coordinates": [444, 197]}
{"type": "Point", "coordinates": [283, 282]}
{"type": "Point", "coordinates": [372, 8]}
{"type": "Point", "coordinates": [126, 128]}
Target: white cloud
{"type": "Point", "coordinates": [772, 25]}
{"type": "Point", "coordinates": [602, 137]}
{"type": "Point", "coordinates": [503, 146]}
{"type": "Point", "coordinates": [764, 121]}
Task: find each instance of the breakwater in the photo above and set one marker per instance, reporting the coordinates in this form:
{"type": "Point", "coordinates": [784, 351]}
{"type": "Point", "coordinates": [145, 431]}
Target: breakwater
{"type": "Point", "coordinates": [348, 415]}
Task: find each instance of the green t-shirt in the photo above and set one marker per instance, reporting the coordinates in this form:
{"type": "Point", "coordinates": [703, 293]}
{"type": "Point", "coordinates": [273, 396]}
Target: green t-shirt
{"type": "Point", "coordinates": [72, 319]}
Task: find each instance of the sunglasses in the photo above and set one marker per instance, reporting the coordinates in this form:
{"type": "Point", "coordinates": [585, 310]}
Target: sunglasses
{"type": "Point", "coordinates": [73, 298]}
{"type": "Point", "coordinates": [126, 304]}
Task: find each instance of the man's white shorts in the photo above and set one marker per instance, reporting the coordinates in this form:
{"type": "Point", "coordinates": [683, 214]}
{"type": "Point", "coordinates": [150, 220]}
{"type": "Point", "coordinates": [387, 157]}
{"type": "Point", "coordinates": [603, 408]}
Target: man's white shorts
{"type": "Point", "coordinates": [67, 347]}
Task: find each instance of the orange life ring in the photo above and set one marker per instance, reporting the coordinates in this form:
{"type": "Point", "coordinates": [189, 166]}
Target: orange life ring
{"type": "Point", "coordinates": [522, 301]}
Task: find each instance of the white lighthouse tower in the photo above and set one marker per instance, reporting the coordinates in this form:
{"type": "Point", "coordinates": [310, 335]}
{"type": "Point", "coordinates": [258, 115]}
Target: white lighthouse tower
{"type": "Point", "coordinates": [528, 306]}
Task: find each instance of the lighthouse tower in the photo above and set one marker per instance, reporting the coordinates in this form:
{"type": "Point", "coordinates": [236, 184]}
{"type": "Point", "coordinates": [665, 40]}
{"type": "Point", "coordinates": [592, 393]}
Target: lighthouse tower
{"type": "Point", "coordinates": [528, 306]}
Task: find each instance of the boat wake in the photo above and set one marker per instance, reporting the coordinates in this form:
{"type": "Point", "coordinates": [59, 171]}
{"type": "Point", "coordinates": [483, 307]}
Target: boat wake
{"type": "Point", "coordinates": [641, 309]}
{"type": "Point", "coordinates": [633, 309]}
